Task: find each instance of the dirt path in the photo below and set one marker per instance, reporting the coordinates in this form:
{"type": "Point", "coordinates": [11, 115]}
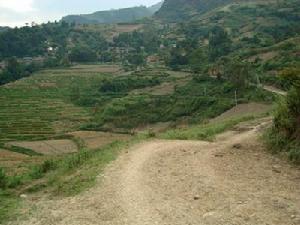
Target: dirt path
{"type": "Point", "coordinates": [230, 182]}
{"type": "Point", "coordinates": [275, 90]}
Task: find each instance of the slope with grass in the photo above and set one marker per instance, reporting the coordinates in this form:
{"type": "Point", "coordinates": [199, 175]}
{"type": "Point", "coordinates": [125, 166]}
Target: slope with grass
{"type": "Point", "coordinates": [126, 15]}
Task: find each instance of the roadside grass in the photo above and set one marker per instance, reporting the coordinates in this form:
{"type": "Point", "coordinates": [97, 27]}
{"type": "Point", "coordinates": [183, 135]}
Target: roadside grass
{"type": "Point", "coordinates": [205, 132]}
{"type": "Point", "coordinates": [9, 205]}
{"type": "Point", "coordinates": [278, 143]}
{"type": "Point", "coordinates": [59, 177]}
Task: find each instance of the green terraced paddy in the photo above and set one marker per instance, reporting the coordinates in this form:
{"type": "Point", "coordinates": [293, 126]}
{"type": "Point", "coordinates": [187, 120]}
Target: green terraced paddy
{"type": "Point", "coordinates": [39, 107]}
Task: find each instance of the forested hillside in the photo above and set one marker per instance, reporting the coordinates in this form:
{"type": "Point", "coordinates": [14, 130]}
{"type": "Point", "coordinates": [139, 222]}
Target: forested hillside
{"type": "Point", "coordinates": [263, 35]}
{"type": "Point", "coordinates": [181, 10]}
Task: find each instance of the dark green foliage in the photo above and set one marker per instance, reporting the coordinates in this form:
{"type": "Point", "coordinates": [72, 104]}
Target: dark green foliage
{"type": "Point", "coordinates": [122, 86]}
{"type": "Point", "coordinates": [3, 179]}
{"type": "Point", "coordinates": [136, 60]}
{"type": "Point", "coordinates": [198, 60]}
{"type": "Point", "coordinates": [219, 43]}
{"type": "Point", "coordinates": [177, 58]}
{"type": "Point", "coordinates": [83, 54]}
{"type": "Point", "coordinates": [200, 99]}
{"type": "Point", "coordinates": [39, 171]}
{"type": "Point", "coordinates": [31, 41]}
{"type": "Point", "coordinates": [61, 37]}
{"type": "Point", "coordinates": [285, 134]}
{"type": "Point", "coordinates": [238, 73]}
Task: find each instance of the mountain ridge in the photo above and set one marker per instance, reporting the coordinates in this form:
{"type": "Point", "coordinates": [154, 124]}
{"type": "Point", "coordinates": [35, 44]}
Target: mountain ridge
{"type": "Point", "coordinates": [124, 15]}
{"type": "Point", "coordinates": [170, 12]}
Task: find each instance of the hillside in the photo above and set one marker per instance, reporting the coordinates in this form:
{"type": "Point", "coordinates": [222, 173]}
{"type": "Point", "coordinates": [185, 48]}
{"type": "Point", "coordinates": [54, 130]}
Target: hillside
{"type": "Point", "coordinates": [180, 10]}
{"type": "Point", "coordinates": [193, 87]}
{"type": "Point", "coordinates": [263, 34]}
{"type": "Point", "coordinates": [126, 15]}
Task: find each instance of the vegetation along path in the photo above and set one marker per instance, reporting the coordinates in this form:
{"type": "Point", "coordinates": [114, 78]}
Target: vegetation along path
{"type": "Point", "coordinates": [229, 181]}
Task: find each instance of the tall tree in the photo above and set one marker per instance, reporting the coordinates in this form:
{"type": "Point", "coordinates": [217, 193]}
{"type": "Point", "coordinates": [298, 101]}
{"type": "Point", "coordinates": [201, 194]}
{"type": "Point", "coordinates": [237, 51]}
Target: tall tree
{"type": "Point", "coordinates": [219, 43]}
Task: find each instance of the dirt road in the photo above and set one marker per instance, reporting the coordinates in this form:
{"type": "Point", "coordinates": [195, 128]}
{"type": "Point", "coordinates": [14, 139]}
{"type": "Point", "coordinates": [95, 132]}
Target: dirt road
{"type": "Point", "coordinates": [232, 181]}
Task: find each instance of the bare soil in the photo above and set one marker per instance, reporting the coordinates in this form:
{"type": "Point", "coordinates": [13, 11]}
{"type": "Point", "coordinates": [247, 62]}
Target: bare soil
{"type": "Point", "coordinates": [230, 181]}
{"type": "Point", "coordinates": [94, 140]}
{"type": "Point", "coordinates": [51, 147]}
{"type": "Point", "coordinates": [16, 163]}
{"type": "Point", "coordinates": [243, 110]}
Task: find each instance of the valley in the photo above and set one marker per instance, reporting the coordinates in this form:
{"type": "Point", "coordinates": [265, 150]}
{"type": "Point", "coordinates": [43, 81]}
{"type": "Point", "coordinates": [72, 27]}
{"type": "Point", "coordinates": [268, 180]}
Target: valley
{"type": "Point", "coordinates": [184, 112]}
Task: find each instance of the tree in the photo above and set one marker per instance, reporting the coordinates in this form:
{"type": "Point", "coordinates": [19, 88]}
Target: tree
{"type": "Point", "coordinates": [198, 60]}
{"type": "Point", "coordinates": [238, 73]}
{"type": "Point", "coordinates": [219, 43]}
{"type": "Point", "coordinates": [177, 58]}
{"type": "Point", "coordinates": [136, 60]}
{"type": "Point", "coordinates": [13, 71]}
{"type": "Point", "coordinates": [82, 54]}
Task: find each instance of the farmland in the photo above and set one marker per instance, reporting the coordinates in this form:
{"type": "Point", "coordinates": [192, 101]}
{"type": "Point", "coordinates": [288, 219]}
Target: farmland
{"type": "Point", "coordinates": [57, 121]}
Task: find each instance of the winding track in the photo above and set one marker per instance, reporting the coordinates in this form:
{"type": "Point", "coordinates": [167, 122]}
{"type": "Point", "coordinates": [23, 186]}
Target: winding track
{"type": "Point", "coordinates": [186, 183]}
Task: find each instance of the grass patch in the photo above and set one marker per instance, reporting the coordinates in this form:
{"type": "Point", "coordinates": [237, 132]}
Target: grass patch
{"type": "Point", "coordinates": [205, 132]}
{"type": "Point", "coordinates": [278, 143]}
{"type": "Point", "coordinates": [8, 206]}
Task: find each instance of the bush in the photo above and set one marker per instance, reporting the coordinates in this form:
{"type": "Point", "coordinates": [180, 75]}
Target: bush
{"type": "Point", "coordinates": [15, 181]}
{"type": "Point", "coordinates": [38, 171]}
{"type": "Point", "coordinates": [3, 179]}
{"type": "Point", "coordinates": [285, 134]}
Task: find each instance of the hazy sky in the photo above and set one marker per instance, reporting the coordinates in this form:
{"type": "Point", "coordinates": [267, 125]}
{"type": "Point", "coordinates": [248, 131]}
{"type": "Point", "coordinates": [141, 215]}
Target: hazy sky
{"type": "Point", "coordinates": [18, 12]}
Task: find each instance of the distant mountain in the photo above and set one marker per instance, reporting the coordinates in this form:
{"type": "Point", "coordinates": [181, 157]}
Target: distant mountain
{"type": "Point", "coordinates": [156, 7]}
{"type": "Point", "coordinates": [125, 15]}
{"type": "Point", "coordinates": [180, 10]}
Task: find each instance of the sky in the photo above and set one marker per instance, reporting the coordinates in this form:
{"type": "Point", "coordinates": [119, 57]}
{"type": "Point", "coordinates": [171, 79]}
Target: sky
{"type": "Point", "coordinates": [18, 12]}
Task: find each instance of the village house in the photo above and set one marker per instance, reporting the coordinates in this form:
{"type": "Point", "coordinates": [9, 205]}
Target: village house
{"type": "Point", "coordinates": [29, 60]}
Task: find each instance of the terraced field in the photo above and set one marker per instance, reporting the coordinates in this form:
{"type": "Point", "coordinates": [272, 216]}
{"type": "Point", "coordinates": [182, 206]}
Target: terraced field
{"type": "Point", "coordinates": [40, 107]}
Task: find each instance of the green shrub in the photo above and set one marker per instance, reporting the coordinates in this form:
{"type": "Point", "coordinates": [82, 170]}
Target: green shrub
{"type": "Point", "coordinates": [15, 181]}
{"type": "Point", "coordinates": [285, 134]}
{"type": "Point", "coordinates": [38, 171]}
{"type": "Point", "coordinates": [294, 153]}
{"type": "Point", "coordinates": [3, 179]}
